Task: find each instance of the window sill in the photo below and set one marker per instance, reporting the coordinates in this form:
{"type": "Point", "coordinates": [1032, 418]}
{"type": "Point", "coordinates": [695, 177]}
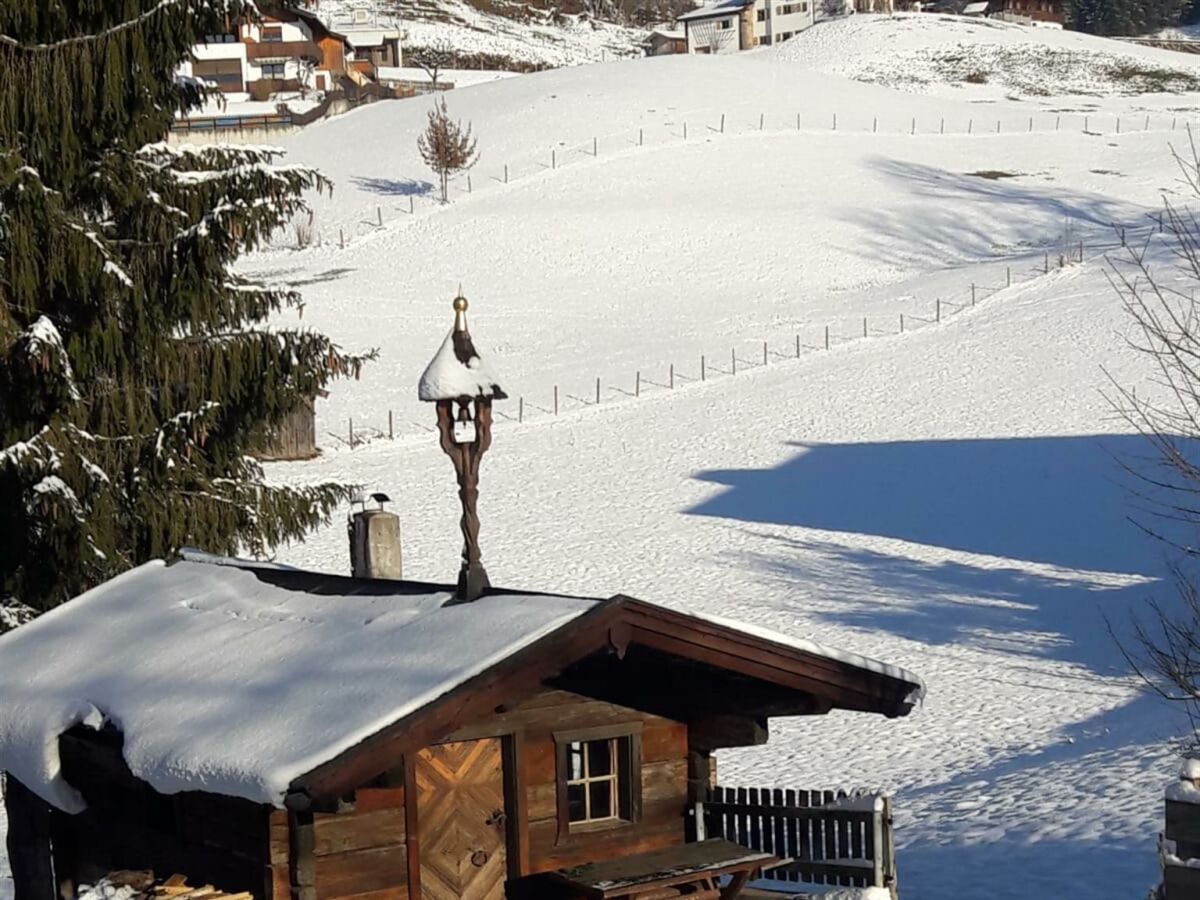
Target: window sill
{"type": "Point", "coordinates": [592, 827]}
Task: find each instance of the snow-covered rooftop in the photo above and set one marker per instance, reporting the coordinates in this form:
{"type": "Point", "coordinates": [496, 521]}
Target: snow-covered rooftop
{"type": "Point", "coordinates": [724, 8]}
{"type": "Point", "coordinates": [237, 679]}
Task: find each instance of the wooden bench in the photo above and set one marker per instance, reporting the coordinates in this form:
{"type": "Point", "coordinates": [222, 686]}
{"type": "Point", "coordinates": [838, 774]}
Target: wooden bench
{"type": "Point", "coordinates": [691, 871]}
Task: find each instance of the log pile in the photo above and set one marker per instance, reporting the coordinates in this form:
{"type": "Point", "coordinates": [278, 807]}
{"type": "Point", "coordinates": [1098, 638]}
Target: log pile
{"type": "Point", "coordinates": [143, 885]}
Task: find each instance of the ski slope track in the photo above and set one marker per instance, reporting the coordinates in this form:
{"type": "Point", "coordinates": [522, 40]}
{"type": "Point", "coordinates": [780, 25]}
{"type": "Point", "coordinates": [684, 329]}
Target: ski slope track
{"type": "Point", "coordinates": [947, 498]}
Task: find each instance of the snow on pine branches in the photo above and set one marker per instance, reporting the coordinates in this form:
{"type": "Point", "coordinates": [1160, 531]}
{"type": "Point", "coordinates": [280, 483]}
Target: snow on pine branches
{"type": "Point", "coordinates": [135, 374]}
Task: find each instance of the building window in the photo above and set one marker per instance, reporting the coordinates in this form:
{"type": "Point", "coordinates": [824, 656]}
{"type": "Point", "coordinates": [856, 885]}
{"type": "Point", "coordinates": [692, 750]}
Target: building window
{"type": "Point", "coordinates": [271, 34]}
{"type": "Point", "coordinates": [762, 15]}
{"type": "Point", "coordinates": [599, 778]}
{"type": "Point", "coordinates": [726, 24]}
{"type": "Point", "coordinates": [273, 70]}
{"type": "Point", "coordinates": [226, 38]}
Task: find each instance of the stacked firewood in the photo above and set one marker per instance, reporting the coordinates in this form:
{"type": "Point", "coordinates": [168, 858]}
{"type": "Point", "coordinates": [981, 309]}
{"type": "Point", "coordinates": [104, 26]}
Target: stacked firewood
{"type": "Point", "coordinates": [142, 885]}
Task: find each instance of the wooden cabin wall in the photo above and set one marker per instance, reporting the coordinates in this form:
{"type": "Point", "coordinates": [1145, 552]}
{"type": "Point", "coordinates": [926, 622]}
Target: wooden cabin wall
{"type": "Point", "coordinates": [210, 838]}
{"type": "Point", "coordinates": [360, 851]}
{"type": "Point", "coordinates": [664, 779]}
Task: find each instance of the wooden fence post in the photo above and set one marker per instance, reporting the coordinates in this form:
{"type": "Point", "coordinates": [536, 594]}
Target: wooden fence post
{"type": "Point", "coordinates": [597, 388]}
{"type": "Point", "coordinates": [874, 124]}
{"type": "Point", "coordinates": [972, 293]}
{"type": "Point", "coordinates": [671, 377]}
{"type": "Point", "coordinates": [595, 147]}
{"type": "Point", "coordinates": [637, 384]}
{"type": "Point", "coordinates": [553, 160]}
{"type": "Point", "coordinates": [970, 125]}
{"type": "Point", "coordinates": [733, 362]}
{"type": "Point", "coordinates": [722, 123]}
{"type": "Point", "coordinates": [379, 215]}
{"type": "Point", "coordinates": [468, 183]}
{"type": "Point", "coordinates": [835, 121]}
{"type": "Point", "coordinates": [556, 399]}
{"type": "Point", "coordinates": [702, 372]}
{"type": "Point", "coordinates": [506, 173]}
{"type": "Point", "coordinates": [341, 239]}
{"type": "Point", "coordinates": [1008, 276]}
{"type": "Point", "coordinates": [520, 409]}
{"type": "Point", "coordinates": [391, 430]}
{"type": "Point", "coordinates": [411, 205]}
{"type": "Point", "coordinates": [351, 432]}
{"type": "Point", "coordinates": [938, 314]}
{"type": "Point", "coordinates": [942, 127]}
{"type": "Point", "coordinates": [797, 346]}
{"type": "Point", "coordinates": [640, 137]}
{"type": "Point", "coordinates": [864, 326]}
{"type": "Point", "coordinates": [826, 337]}
{"type": "Point", "coordinates": [902, 323]}
{"type": "Point", "coordinates": [764, 353]}
{"type": "Point", "coordinates": [761, 120]}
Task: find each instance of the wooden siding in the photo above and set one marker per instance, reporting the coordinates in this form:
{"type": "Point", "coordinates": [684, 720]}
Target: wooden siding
{"type": "Point", "coordinates": [543, 845]}
{"type": "Point", "coordinates": [293, 438]}
{"type": "Point", "coordinates": [362, 851]}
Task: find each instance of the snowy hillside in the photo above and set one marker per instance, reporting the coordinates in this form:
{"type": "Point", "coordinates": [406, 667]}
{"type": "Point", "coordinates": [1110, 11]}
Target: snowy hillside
{"type": "Point", "coordinates": [521, 34]}
{"type": "Point", "coordinates": [921, 466]}
{"type": "Point", "coordinates": [944, 498]}
{"type": "Point", "coordinates": [987, 59]}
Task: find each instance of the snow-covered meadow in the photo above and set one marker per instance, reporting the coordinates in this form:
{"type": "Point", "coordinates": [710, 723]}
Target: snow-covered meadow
{"type": "Point", "coordinates": [947, 499]}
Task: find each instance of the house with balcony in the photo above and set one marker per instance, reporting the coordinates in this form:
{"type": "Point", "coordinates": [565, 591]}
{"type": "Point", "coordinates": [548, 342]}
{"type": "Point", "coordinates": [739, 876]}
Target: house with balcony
{"type": "Point", "coordinates": [729, 26]}
{"type": "Point", "coordinates": [286, 50]}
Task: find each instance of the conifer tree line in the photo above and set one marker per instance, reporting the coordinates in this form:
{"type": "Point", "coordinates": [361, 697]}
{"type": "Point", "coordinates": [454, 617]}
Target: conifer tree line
{"type": "Point", "coordinates": [136, 369]}
{"type": "Point", "coordinates": [1125, 17]}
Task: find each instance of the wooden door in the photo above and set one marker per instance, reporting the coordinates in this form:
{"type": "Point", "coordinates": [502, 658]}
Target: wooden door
{"type": "Point", "coordinates": [461, 822]}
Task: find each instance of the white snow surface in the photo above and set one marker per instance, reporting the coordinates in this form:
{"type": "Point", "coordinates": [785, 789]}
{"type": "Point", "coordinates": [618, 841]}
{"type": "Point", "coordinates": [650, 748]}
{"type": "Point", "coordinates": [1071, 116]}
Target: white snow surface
{"type": "Point", "coordinates": [270, 681]}
{"type": "Point", "coordinates": [448, 378]}
{"type": "Point", "coordinates": [946, 499]}
{"type": "Point", "coordinates": [979, 58]}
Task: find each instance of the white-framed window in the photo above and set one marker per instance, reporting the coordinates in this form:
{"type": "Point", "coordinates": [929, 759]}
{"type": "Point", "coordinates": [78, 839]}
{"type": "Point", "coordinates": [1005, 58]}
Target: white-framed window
{"type": "Point", "coordinates": [274, 70]}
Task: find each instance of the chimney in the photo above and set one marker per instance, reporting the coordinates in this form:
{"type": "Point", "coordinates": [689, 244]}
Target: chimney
{"type": "Point", "coordinates": [374, 539]}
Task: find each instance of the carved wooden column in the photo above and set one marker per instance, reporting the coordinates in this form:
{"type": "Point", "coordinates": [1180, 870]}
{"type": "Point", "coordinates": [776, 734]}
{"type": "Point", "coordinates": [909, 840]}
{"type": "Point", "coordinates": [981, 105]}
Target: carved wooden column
{"type": "Point", "coordinates": [463, 388]}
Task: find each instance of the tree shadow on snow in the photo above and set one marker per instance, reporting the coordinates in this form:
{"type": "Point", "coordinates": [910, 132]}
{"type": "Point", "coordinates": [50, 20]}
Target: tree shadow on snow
{"type": "Point", "coordinates": [393, 187]}
{"type": "Point", "coordinates": [1064, 504]}
{"type": "Point", "coordinates": [1002, 213]}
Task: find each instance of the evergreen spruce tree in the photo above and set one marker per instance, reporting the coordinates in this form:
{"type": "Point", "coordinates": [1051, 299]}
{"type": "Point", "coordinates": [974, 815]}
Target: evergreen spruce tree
{"type": "Point", "coordinates": [135, 367]}
{"type": "Point", "coordinates": [1124, 17]}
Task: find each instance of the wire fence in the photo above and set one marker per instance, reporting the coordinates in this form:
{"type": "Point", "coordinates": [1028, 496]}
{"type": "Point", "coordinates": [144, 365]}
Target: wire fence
{"type": "Point", "coordinates": [418, 198]}
{"type": "Point", "coordinates": [587, 393]}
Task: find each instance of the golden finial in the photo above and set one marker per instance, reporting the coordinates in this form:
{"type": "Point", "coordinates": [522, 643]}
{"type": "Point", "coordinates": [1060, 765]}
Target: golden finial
{"type": "Point", "coordinates": [460, 312]}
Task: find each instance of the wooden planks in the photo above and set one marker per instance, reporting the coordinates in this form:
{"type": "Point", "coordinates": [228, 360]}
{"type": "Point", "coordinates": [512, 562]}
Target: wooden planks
{"type": "Point", "coordinates": [460, 813]}
{"type": "Point", "coordinates": [829, 837]}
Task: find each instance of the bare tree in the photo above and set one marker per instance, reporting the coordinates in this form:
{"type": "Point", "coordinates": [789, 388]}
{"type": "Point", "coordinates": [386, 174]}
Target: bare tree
{"type": "Point", "coordinates": [445, 146]}
{"type": "Point", "coordinates": [433, 58]}
{"type": "Point", "coordinates": [1165, 648]}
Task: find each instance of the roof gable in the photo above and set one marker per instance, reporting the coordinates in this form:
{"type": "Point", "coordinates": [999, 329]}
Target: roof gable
{"type": "Point", "coordinates": [267, 683]}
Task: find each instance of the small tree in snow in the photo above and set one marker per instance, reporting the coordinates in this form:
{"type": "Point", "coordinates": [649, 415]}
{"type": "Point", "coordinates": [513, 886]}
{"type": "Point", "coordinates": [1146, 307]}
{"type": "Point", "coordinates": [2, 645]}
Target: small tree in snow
{"type": "Point", "coordinates": [446, 147]}
{"type": "Point", "coordinates": [434, 58]}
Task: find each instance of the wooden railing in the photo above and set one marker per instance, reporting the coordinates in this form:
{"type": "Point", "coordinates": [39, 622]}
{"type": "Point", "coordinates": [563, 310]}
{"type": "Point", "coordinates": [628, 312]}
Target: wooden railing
{"type": "Point", "coordinates": [283, 50]}
{"type": "Point", "coordinates": [827, 837]}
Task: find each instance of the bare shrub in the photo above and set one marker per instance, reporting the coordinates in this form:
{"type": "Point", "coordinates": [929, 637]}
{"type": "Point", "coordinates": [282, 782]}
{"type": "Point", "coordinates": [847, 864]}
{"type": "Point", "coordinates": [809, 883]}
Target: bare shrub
{"type": "Point", "coordinates": [303, 231]}
{"type": "Point", "coordinates": [446, 147]}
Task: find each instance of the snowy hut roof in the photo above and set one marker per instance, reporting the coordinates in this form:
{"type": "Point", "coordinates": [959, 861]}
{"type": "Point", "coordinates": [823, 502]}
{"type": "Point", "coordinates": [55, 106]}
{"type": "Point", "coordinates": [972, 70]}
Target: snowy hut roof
{"type": "Point", "coordinates": [712, 10]}
{"type": "Point", "coordinates": [235, 679]}
{"type": "Point", "coordinates": [245, 679]}
{"type": "Point", "coordinates": [457, 369]}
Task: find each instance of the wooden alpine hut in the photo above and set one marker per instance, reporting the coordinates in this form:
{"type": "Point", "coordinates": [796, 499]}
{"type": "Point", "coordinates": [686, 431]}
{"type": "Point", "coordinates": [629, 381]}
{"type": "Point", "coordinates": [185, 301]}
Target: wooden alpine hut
{"type": "Point", "coordinates": [293, 734]}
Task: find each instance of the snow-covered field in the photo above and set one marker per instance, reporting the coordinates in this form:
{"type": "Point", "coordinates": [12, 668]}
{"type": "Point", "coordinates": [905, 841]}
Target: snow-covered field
{"type": "Point", "coordinates": [987, 59]}
{"type": "Point", "coordinates": [945, 498]}
{"type": "Point", "coordinates": [522, 33]}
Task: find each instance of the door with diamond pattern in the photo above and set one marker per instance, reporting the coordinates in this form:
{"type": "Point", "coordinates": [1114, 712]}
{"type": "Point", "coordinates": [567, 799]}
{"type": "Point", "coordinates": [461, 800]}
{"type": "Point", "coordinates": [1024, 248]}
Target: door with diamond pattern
{"type": "Point", "coordinates": [461, 822]}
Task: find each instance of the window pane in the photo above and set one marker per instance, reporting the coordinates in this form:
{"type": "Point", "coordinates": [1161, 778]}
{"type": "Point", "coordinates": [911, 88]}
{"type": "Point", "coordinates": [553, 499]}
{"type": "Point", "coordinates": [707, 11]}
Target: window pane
{"type": "Point", "coordinates": [599, 758]}
{"type": "Point", "coordinates": [601, 799]}
{"type": "Point", "coordinates": [575, 765]}
{"type": "Point", "coordinates": [576, 811]}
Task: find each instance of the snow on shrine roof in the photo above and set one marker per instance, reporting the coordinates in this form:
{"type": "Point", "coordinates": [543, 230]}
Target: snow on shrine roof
{"type": "Point", "coordinates": [236, 678]}
{"type": "Point", "coordinates": [457, 370]}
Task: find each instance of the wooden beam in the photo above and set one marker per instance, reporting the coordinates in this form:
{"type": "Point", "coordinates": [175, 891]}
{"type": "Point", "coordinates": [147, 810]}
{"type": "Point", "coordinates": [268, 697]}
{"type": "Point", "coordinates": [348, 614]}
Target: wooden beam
{"type": "Point", "coordinates": [715, 732]}
{"type": "Point", "coordinates": [29, 851]}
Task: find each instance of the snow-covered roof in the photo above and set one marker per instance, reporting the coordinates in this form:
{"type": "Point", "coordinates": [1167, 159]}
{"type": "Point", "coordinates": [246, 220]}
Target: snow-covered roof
{"type": "Point", "coordinates": [724, 8]}
{"type": "Point", "coordinates": [457, 369]}
{"type": "Point", "coordinates": [670, 34]}
{"type": "Point", "coordinates": [237, 679]}
{"type": "Point", "coordinates": [368, 38]}
{"type": "Point", "coordinates": [975, 9]}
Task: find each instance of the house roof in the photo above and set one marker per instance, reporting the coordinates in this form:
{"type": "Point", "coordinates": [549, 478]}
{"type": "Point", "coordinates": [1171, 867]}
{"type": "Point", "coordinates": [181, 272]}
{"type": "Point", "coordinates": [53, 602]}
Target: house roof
{"type": "Point", "coordinates": [668, 34]}
{"type": "Point", "coordinates": [715, 10]}
{"type": "Point", "coordinates": [268, 683]}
